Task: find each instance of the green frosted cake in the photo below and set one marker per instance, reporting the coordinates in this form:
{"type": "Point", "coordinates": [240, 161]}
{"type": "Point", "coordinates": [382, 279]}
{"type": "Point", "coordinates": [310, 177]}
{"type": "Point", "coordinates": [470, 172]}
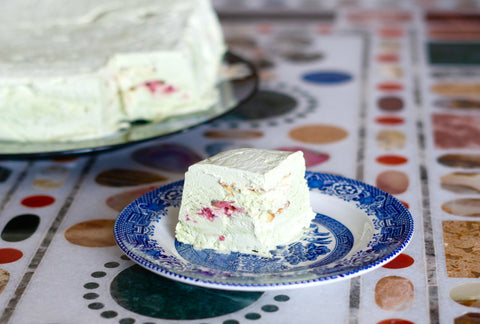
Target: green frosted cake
{"type": "Point", "coordinates": [245, 200]}
{"type": "Point", "coordinates": [73, 70]}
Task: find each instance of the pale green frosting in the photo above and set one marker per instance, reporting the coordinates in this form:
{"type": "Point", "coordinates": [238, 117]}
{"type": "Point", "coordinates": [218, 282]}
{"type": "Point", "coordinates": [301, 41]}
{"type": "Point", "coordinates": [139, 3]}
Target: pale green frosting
{"type": "Point", "coordinates": [267, 187]}
{"type": "Point", "coordinates": [83, 65]}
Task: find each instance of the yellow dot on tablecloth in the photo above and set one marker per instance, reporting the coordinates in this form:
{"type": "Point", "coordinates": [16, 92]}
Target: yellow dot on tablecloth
{"type": "Point", "coordinates": [318, 134]}
{"type": "Point", "coordinates": [394, 293]}
{"type": "Point", "coordinates": [391, 140]}
{"type": "Point", "coordinates": [92, 233]}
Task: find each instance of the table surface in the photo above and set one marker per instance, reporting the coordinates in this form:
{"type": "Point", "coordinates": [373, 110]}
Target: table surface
{"type": "Point", "coordinates": [387, 93]}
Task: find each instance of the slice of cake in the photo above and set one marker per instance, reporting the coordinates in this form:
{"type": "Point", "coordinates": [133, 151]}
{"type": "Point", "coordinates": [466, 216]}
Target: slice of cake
{"type": "Point", "coordinates": [85, 69]}
{"type": "Point", "coordinates": [245, 200]}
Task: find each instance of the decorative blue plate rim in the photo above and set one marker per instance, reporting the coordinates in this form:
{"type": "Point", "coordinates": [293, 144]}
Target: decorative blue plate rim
{"type": "Point", "coordinates": [358, 228]}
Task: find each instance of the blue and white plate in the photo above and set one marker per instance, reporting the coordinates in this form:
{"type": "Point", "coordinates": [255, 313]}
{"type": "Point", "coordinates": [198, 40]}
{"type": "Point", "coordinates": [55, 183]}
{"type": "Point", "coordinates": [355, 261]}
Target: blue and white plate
{"type": "Point", "coordinates": [357, 228]}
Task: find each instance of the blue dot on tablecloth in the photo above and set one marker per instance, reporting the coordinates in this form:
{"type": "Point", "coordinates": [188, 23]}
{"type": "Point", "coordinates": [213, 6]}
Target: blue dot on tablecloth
{"type": "Point", "coordinates": [327, 77]}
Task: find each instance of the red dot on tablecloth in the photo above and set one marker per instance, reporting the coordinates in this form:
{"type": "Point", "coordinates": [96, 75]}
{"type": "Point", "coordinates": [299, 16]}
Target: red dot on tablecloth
{"type": "Point", "coordinates": [401, 261]}
{"type": "Point", "coordinates": [390, 32]}
{"type": "Point", "coordinates": [395, 321]}
{"type": "Point", "coordinates": [8, 255]}
{"type": "Point", "coordinates": [405, 204]}
{"type": "Point", "coordinates": [389, 120]}
{"type": "Point", "coordinates": [388, 58]}
{"type": "Point", "coordinates": [391, 159]}
{"type": "Point", "coordinates": [390, 86]}
{"type": "Point", "coordinates": [38, 201]}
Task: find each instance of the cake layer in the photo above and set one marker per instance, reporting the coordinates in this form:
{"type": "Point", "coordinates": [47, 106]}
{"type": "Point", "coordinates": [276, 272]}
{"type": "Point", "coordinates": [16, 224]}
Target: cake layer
{"type": "Point", "coordinates": [245, 200]}
{"type": "Point", "coordinates": [101, 64]}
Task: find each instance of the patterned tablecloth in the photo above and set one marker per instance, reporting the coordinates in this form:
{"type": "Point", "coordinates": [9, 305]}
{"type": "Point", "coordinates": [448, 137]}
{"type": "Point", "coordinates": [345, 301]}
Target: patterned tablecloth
{"type": "Point", "coordinates": [387, 93]}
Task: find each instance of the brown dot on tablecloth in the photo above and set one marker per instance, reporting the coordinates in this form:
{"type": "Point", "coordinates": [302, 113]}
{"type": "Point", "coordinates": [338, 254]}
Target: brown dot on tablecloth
{"type": "Point", "coordinates": [121, 200]}
{"type": "Point", "coordinates": [464, 104]}
{"type": "Point", "coordinates": [4, 279]}
{"type": "Point", "coordinates": [127, 177]}
{"type": "Point", "coordinates": [456, 89]}
{"type": "Point", "coordinates": [233, 133]}
{"type": "Point", "coordinates": [391, 140]}
{"type": "Point", "coordinates": [462, 207]}
{"type": "Point", "coordinates": [390, 103]}
{"type": "Point", "coordinates": [461, 240]}
{"type": "Point", "coordinates": [394, 293]}
{"type": "Point", "coordinates": [460, 160]}
{"type": "Point", "coordinates": [318, 134]}
{"type": "Point", "coordinates": [469, 318]}
{"type": "Point", "coordinates": [92, 233]}
{"type": "Point", "coordinates": [392, 181]}
{"type": "Point", "coordinates": [399, 262]}
{"type": "Point", "coordinates": [467, 294]}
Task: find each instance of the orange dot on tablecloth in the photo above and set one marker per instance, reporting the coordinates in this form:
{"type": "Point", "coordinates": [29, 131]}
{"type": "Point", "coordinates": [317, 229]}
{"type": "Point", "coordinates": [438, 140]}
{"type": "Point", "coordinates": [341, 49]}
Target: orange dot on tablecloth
{"type": "Point", "coordinates": [38, 201]}
{"type": "Point", "coordinates": [389, 120]}
{"type": "Point", "coordinates": [318, 134]}
{"type": "Point", "coordinates": [391, 159]}
{"type": "Point", "coordinates": [9, 255]}
{"type": "Point", "coordinates": [401, 261]}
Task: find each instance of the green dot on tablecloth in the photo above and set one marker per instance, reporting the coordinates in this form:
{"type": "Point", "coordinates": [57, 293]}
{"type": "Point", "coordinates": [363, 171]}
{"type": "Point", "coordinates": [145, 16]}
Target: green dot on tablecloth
{"type": "Point", "coordinates": [137, 289]}
{"type": "Point", "coordinates": [91, 296]}
{"type": "Point", "coordinates": [264, 104]}
{"type": "Point", "coordinates": [253, 316]}
{"type": "Point", "coordinates": [109, 314]}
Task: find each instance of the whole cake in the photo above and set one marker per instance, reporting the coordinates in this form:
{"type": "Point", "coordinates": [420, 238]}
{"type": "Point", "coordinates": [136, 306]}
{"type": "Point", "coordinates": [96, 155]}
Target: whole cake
{"type": "Point", "coordinates": [73, 70]}
{"type": "Point", "coordinates": [245, 200]}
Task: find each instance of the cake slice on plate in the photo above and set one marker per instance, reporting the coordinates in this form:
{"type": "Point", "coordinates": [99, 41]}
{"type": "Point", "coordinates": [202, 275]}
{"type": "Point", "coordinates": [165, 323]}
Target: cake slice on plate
{"type": "Point", "coordinates": [245, 200]}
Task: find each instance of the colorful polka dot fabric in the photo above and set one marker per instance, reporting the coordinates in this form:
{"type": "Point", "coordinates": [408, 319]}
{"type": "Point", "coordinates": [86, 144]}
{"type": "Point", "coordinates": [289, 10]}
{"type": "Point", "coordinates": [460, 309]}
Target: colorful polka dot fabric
{"type": "Point", "coordinates": [387, 93]}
